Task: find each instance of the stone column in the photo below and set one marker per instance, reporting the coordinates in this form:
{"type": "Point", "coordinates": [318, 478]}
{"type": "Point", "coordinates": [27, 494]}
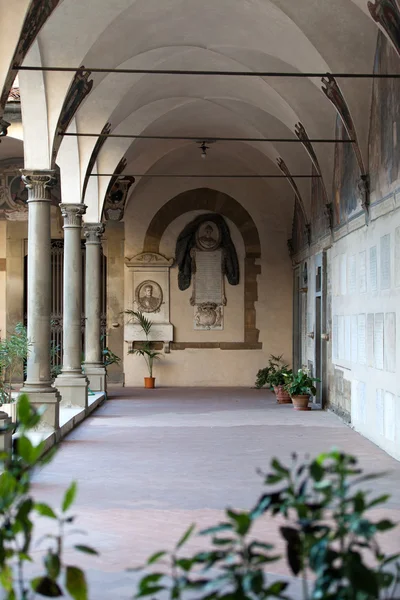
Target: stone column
{"type": "Point", "coordinates": [38, 384]}
{"type": "Point", "coordinates": [72, 383]}
{"type": "Point", "coordinates": [93, 366]}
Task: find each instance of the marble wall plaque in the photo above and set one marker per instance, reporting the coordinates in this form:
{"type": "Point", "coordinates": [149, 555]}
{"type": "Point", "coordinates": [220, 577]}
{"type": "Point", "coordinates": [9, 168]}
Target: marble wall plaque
{"type": "Point", "coordinates": [385, 262]}
{"type": "Point", "coordinates": [380, 412]}
{"type": "Point", "coordinates": [341, 336]}
{"type": "Point", "coordinates": [390, 417]}
{"type": "Point", "coordinates": [343, 274]}
{"type": "Point", "coordinates": [362, 401]}
{"type": "Point", "coordinates": [209, 278]}
{"type": "Point", "coordinates": [335, 335]}
{"type": "Point", "coordinates": [354, 339]}
{"type": "Point", "coordinates": [352, 275]}
{"type": "Point", "coordinates": [347, 338]}
{"type": "Point", "coordinates": [362, 354]}
{"type": "Point", "coordinates": [373, 269]}
{"type": "Point", "coordinates": [390, 342]}
{"type": "Point", "coordinates": [397, 257]}
{"type": "Point", "coordinates": [378, 340]}
{"type": "Point", "coordinates": [370, 339]}
{"type": "Point", "coordinates": [362, 261]}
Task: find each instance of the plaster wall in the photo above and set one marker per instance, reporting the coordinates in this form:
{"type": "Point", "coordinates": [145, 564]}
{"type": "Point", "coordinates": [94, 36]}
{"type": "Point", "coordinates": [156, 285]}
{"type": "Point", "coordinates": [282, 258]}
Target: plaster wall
{"type": "Point", "coordinates": [214, 366]}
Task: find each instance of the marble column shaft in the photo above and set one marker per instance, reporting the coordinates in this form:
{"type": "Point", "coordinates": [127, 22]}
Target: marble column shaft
{"type": "Point", "coordinates": [38, 380]}
{"type": "Point", "coordinates": [94, 367]}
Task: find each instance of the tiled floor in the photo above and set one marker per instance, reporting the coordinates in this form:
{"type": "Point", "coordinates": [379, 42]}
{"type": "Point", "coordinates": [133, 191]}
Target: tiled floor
{"type": "Point", "coordinates": [149, 463]}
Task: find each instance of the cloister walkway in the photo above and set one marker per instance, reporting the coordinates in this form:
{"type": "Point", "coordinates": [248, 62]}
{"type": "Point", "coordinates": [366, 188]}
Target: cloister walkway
{"type": "Point", "coordinates": [149, 463]}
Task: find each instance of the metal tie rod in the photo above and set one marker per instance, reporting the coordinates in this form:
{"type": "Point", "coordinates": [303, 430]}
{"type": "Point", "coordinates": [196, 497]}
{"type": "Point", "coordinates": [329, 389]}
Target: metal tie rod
{"type": "Point", "coordinates": [206, 138]}
{"type": "Point", "coordinates": [179, 176]}
{"type": "Point", "coordinates": [209, 73]}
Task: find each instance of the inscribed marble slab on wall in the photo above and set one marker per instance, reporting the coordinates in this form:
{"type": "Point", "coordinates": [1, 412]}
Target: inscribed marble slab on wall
{"type": "Point", "coordinates": [397, 257]}
{"type": "Point", "coordinates": [343, 274]}
{"type": "Point", "coordinates": [390, 342]}
{"type": "Point", "coordinates": [354, 339]}
{"type": "Point", "coordinates": [362, 269]}
{"type": "Point", "coordinates": [390, 416]}
{"type": "Point", "coordinates": [385, 262]}
{"type": "Point", "coordinates": [370, 339]}
{"type": "Point", "coordinates": [352, 274]}
{"type": "Point", "coordinates": [380, 412]}
{"type": "Point", "coordinates": [373, 269]}
{"type": "Point", "coordinates": [378, 340]}
{"type": "Point", "coordinates": [335, 336]}
{"type": "Point", "coordinates": [361, 343]}
{"type": "Point", "coordinates": [362, 401]}
{"type": "Point", "coordinates": [341, 336]}
{"type": "Point", "coordinates": [347, 338]}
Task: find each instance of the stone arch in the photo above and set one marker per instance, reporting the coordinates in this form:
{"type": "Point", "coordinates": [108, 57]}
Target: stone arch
{"type": "Point", "coordinates": [218, 202]}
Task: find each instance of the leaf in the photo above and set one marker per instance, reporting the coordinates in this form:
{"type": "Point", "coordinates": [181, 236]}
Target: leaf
{"type": "Point", "coordinates": [75, 582]}
{"type": "Point", "coordinates": [242, 521]}
{"type": "Point", "coordinates": [52, 564]}
{"type": "Point", "coordinates": [45, 510]}
{"type": "Point", "coordinates": [316, 471]}
{"type": "Point", "coordinates": [24, 409]}
{"type": "Point", "coordinates": [69, 496]}
{"type": "Point", "coordinates": [46, 587]}
{"type": "Point", "coordinates": [385, 525]}
{"type": "Point", "coordinates": [217, 529]}
{"type": "Point", "coordinates": [6, 578]}
{"type": "Point", "coordinates": [185, 536]}
{"type": "Point", "coordinates": [275, 464]}
{"type": "Point", "coordinates": [25, 449]}
{"type": "Point", "coordinates": [86, 549]}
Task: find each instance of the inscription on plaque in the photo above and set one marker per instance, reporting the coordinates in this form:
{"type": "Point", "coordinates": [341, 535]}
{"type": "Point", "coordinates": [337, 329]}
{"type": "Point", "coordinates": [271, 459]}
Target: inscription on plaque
{"type": "Point", "coordinates": [335, 333]}
{"type": "Point", "coordinates": [378, 340]}
{"type": "Point", "coordinates": [341, 336]}
{"type": "Point", "coordinates": [362, 358]}
{"type": "Point", "coordinates": [370, 340]}
{"type": "Point", "coordinates": [390, 342]}
{"type": "Point", "coordinates": [397, 257]}
{"type": "Point", "coordinates": [362, 259]}
{"type": "Point", "coordinates": [209, 282]}
{"type": "Point", "coordinates": [385, 262]}
{"type": "Point", "coordinates": [354, 339]}
{"type": "Point", "coordinates": [373, 269]}
{"type": "Point", "coordinates": [347, 338]}
{"type": "Point", "coordinates": [362, 401]}
{"type": "Point", "coordinates": [390, 417]}
{"type": "Point", "coordinates": [380, 412]}
{"type": "Point", "coordinates": [343, 274]}
{"type": "Point", "coordinates": [352, 274]}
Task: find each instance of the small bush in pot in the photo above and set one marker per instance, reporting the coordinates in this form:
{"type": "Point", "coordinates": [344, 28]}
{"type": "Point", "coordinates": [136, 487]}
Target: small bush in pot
{"type": "Point", "coordinates": [301, 386]}
{"type": "Point", "coordinates": [264, 375]}
{"type": "Point", "coordinates": [278, 381]}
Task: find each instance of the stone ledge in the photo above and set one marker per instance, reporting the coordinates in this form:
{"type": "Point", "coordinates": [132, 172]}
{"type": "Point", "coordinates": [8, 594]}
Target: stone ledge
{"type": "Point", "coordinates": [217, 345]}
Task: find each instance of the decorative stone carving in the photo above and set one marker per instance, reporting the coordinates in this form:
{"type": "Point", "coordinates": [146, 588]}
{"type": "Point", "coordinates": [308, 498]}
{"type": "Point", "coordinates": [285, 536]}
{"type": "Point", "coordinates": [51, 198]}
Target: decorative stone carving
{"type": "Point", "coordinates": [72, 214]}
{"type": "Point", "coordinates": [208, 315]}
{"type": "Point", "coordinates": [38, 184]}
{"type": "Point", "coordinates": [93, 232]}
{"type": "Point", "coordinates": [149, 293]}
{"type": "Point", "coordinates": [116, 196]}
{"type": "Point", "coordinates": [149, 296]}
{"type": "Point", "coordinates": [387, 14]}
{"type": "Point", "coordinates": [363, 192]}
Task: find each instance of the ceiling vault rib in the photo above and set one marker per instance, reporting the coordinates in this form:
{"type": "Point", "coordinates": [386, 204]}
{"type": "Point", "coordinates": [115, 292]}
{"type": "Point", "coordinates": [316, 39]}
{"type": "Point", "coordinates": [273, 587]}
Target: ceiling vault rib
{"type": "Point", "coordinates": [205, 137]}
{"type": "Point", "coordinates": [210, 73]}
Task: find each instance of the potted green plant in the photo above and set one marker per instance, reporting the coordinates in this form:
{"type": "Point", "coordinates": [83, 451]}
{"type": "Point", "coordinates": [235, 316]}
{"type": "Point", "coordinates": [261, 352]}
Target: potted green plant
{"type": "Point", "coordinates": [145, 349]}
{"type": "Point", "coordinates": [278, 380]}
{"type": "Point", "coordinates": [300, 387]}
{"type": "Point", "coordinates": [264, 375]}
{"type": "Point", "coordinates": [13, 354]}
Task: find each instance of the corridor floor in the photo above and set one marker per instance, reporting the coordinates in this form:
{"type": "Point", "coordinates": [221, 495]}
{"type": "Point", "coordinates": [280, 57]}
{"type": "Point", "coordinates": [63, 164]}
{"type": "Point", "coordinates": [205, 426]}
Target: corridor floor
{"type": "Point", "coordinates": [149, 463]}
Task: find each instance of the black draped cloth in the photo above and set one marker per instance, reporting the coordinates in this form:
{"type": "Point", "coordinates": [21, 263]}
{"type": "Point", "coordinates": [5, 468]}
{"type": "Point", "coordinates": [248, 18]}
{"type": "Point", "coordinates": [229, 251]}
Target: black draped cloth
{"type": "Point", "coordinates": [187, 240]}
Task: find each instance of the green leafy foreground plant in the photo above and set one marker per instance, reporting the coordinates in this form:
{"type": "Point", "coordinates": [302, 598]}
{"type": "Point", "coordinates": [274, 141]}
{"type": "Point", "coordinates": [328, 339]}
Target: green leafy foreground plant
{"type": "Point", "coordinates": [301, 383]}
{"type": "Point", "coordinates": [18, 511]}
{"type": "Point", "coordinates": [331, 544]}
{"type": "Point", "coordinates": [13, 353]}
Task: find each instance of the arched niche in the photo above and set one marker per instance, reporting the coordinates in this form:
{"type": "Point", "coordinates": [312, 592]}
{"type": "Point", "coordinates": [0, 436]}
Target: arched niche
{"type": "Point", "coordinates": [223, 204]}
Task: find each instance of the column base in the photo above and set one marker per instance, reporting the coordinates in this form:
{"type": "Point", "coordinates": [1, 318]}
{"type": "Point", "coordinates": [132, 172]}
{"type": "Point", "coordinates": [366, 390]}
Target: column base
{"type": "Point", "coordinates": [73, 390]}
{"type": "Point", "coordinates": [48, 397]}
{"type": "Point", "coordinates": [97, 376]}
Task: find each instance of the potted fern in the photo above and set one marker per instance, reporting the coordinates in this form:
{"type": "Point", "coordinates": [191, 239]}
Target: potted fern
{"type": "Point", "coordinates": [146, 349]}
{"type": "Point", "coordinates": [300, 387]}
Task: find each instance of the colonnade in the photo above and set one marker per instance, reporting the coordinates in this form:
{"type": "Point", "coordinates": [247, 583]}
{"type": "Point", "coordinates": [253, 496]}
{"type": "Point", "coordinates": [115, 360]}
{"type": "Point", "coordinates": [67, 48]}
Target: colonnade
{"type": "Point", "coordinates": [71, 386]}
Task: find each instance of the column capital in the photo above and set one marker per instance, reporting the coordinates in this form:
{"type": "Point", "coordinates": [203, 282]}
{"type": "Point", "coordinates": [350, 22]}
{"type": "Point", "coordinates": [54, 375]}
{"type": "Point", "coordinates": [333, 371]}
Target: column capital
{"type": "Point", "coordinates": [38, 184]}
{"type": "Point", "coordinates": [93, 232]}
{"type": "Point", "coordinates": [72, 214]}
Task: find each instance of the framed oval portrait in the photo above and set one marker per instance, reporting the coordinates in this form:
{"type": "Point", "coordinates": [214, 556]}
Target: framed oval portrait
{"type": "Point", "coordinates": [208, 236]}
{"type": "Point", "coordinates": [148, 296]}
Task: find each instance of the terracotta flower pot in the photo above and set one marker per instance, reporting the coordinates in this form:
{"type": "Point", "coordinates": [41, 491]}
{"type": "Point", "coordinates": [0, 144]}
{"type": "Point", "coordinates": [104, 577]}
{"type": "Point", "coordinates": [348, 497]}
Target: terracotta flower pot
{"type": "Point", "coordinates": [149, 382]}
{"type": "Point", "coordinates": [282, 396]}
{"type": "Point", "coordinates": [301, 402]}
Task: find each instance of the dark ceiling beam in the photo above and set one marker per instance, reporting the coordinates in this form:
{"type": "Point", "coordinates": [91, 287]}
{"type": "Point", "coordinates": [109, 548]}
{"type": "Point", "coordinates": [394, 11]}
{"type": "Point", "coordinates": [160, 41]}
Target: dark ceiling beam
{"type": "Point", "coordinates": [180, 176]}
{"type": "Point", "coordinates": [206, 138]}
{"type": "Point", "coordinates": [210, 73]}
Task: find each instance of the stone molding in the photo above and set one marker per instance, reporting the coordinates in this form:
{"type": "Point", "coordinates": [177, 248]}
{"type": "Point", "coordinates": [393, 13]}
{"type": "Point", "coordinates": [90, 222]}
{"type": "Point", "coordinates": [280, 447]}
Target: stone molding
{"type": "Point", "coordinates": [93, 232]}
{"type": "Point", "coordinates": [72, 214]}
{"type": "Point", "coordinates": [149, 258]}
{"type": "Point", "coordinates": [38, 184]}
